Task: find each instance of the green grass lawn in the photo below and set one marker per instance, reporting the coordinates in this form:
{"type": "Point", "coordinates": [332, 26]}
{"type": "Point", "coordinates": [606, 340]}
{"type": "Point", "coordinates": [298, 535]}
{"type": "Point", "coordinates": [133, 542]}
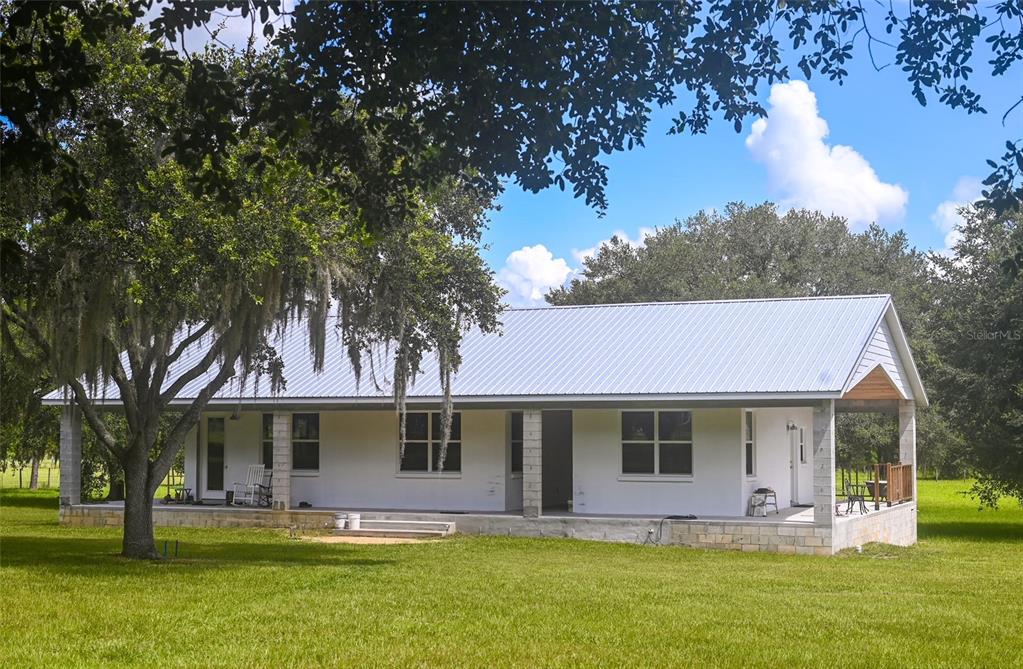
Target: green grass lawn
{"type": "Point", "coordinates": [254, 598]}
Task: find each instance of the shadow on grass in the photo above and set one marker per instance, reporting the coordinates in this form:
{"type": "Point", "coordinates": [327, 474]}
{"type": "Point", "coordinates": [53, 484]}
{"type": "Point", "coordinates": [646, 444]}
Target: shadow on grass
{"type": "Point", "coordinates": [972, 531]}
{"type": "Point", "coordinates": [29, 499]}
{"type": "Point", "coordinates": [100, 556]}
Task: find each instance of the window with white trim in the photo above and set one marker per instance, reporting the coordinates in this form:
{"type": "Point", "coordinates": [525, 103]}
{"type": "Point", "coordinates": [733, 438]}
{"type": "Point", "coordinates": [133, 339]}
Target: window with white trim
{"type": "Point", "coordinates": [802, 447]}
{"type": "Point", "coordinates": [657, 443]}
{"type": "Point", "coordinates": [516, 442]}
{"type": "Point", "coordinates": [750, 442]}
{"type": "Point", "coordinates": [422, 443]}
{"type": "Point", "coordinates": [305, 441]}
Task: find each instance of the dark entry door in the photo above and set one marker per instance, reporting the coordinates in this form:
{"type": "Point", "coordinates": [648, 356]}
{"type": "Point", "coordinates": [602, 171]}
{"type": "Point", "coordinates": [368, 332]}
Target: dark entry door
{"type": "Point", "coordinates": [556, 459]}
{"type": "Point", "coordinates": [215, 454]}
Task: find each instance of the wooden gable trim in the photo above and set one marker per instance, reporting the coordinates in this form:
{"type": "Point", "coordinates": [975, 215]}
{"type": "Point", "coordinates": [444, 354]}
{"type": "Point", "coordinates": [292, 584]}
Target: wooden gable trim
{"type": "Point", "coordinates": [876, 385]}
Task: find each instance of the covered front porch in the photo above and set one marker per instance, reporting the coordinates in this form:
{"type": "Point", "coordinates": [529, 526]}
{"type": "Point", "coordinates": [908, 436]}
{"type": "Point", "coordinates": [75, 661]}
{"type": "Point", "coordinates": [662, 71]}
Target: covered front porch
{"type": "Point", "coordinates": [547, 472]}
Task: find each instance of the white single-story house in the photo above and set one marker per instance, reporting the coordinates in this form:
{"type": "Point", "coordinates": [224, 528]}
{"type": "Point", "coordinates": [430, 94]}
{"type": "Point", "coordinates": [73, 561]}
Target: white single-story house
{"type": "Point", "coordinates": [579, 421]}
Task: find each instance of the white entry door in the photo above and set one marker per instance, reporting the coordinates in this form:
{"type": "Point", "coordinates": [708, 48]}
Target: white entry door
{"type": "Point", "coordinates": [795, 458]}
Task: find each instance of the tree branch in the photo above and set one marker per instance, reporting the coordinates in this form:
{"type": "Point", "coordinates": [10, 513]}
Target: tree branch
{"type": "Point", "coordinates": [188, 341]}
{"type": "Point", "coordinates": [197, 369]}
{"type": "Point", "coordinates": [129, 396]}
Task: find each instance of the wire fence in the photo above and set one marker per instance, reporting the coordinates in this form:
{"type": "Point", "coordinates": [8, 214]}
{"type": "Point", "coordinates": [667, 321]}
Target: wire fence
{"type": "Point", "coordinates": [18, 475]}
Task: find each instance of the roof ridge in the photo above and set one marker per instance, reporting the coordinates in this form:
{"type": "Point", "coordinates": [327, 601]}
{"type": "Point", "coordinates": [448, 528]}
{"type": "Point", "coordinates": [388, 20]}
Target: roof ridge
{"type": "Point", "coordinates": [806, 298]}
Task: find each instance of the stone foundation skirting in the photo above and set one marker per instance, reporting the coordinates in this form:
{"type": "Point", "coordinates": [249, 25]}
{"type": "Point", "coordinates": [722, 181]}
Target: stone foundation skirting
{"type": "Point", "coordinates": [803, 539]}
{"type": "Point", "coordinates": [184, 516]}
{"type": "Point", "coordinates": [894, 525]}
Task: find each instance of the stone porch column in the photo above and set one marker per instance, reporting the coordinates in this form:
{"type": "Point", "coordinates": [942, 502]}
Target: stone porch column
{"type": "Point", "coordinates": [907, 437]}
{"type": "Point", "coordinates": [70, 456]}
{"type": "Point", "coordinates": [532, 461]}
{"type": "Point", "coordinates": [282, 461]}
{"type": "Point", "coordinates": [824, 463]}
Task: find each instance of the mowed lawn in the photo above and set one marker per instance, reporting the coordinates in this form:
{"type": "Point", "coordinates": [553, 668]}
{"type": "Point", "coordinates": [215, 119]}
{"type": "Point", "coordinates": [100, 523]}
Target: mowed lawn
{"type": "Point", "coordinates": [254, 598]}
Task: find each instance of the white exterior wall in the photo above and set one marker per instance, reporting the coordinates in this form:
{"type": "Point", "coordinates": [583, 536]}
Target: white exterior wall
{"type": "Point", "coordinates": [712, 490]}
{"type": "Point", "coordinates": [777, 451]}
{"type": "Point", "coordinates": [359, 464]}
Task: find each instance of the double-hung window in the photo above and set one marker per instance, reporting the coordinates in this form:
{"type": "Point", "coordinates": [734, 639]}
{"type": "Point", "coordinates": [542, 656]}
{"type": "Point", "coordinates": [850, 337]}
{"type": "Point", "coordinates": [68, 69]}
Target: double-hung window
{"type": "Point", "coordinates": [516, 442]}
{"type": "Point", "coordinates": [305, 441]}
{"type": "Point", "coordinates": [749, 432]}
{"type": "Point", "coordinates": [422, 443]}
{"type": "Point", "coordinates": [657, 443]}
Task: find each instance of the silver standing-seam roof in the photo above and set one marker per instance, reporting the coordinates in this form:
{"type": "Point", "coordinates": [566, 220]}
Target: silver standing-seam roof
{"type": "Point", "coordinates": [793, 348]}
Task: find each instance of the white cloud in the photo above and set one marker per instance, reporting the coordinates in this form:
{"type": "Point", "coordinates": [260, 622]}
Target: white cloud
{"type": "Point", "coordinates": [946, 214]}
{"type": "Point", "coordinates": [809, 173]}
{"type": "Point", "coordinates": [530, 272]}
{"type": "Point", "coordinates": [581, 255]}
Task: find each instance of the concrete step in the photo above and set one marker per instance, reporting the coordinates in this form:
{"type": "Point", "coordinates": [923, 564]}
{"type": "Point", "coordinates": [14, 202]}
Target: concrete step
{"type": "Point", "coordinates": [391, 533]}
{"type": "Point", "coordinates": [426, 525]}
{"type": "Point", "coordinates": [399, 528]}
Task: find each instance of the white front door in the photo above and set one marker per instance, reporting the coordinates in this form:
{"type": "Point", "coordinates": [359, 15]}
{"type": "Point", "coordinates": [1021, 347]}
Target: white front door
{"type": "Point", "coordinates": [795, 457]}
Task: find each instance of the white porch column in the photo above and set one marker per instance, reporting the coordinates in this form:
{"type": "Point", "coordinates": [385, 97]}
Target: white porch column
{"type": "Point", "coordinates": [907, 437]}
{"type": "Point", "coordinates": [824, 463]}
{"type": "Point", "coordinates": [282, 460]}
{"type": "Point", "coordinates": [532, 462]}
{"type": "Point", "coordinates": [70, 456]}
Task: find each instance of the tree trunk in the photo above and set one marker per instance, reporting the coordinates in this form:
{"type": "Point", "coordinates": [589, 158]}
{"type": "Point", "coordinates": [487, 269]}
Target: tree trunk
{"type": "Point", "coordinates": [33, 480]}
{"type": "Point", "coordinates": [138, 541]}
{"type": "Point", "coordinates": [116, 491]}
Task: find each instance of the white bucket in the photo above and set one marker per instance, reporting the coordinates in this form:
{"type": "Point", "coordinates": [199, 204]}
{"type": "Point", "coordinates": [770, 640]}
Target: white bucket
{"type": "Point", "coordinates": [354, 521]}
{"type": "Point", "coordinates": [339, 521]}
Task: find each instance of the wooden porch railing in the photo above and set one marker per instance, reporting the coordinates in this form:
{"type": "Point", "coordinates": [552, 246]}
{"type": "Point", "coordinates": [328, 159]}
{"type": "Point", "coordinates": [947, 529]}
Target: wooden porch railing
{"type": "Point", "coordinates": [894, 483]}
{"type": "Point", "coordinates": [900, 483]}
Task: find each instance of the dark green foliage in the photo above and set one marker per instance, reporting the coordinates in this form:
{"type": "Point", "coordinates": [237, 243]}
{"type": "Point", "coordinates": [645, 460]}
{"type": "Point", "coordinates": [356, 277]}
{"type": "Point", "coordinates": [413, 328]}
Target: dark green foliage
{"type": "Point", "coordinates": [159, 266]}
{"type": "Point", "coordinates": [28, 431]}
{"type": "Point", "coordinates": [978, 329]}
{"type": "Point", "coordinates": [533, 92]}
{"type": "Point", "coordinates": [750, 252]}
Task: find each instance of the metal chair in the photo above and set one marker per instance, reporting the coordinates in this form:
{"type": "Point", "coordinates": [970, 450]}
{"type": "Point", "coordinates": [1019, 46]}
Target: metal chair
{"type": "Point", "coordinates": [855, 494]}
{"type": "Point", "coordinates": [247, 494]}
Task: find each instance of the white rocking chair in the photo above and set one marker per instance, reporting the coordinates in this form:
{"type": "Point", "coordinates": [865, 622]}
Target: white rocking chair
{"type": "Point", "coordinates": [247, 494]}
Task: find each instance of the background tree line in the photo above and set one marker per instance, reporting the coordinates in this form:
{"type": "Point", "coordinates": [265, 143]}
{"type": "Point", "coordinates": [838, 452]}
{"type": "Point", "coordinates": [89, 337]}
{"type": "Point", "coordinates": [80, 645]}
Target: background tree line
{"type": "Point", "coordinates": [962, 312]}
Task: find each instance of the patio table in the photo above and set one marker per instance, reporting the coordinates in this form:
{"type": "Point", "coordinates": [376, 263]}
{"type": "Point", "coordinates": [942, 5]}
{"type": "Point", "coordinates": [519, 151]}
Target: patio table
{"type": "Point", "coordinates": [883, 491]}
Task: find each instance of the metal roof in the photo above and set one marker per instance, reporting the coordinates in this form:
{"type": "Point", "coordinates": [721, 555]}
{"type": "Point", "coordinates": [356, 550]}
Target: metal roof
{"type": "Point", "coordinates": [784, 348]}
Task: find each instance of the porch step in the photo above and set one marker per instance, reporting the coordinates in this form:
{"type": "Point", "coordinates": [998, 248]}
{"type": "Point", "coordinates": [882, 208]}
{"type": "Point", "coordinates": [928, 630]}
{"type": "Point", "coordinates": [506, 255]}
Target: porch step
{"type": "Point", "coordinates": [372, 527]}
{"type": "Point", "coordinates": [391, 533]}
{"type": "Point", "coordinates": [415, 525]}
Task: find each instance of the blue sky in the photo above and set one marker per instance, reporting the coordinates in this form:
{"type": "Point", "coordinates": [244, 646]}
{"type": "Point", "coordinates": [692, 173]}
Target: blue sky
{"type": "Point", "coordinates": [926, 158]}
